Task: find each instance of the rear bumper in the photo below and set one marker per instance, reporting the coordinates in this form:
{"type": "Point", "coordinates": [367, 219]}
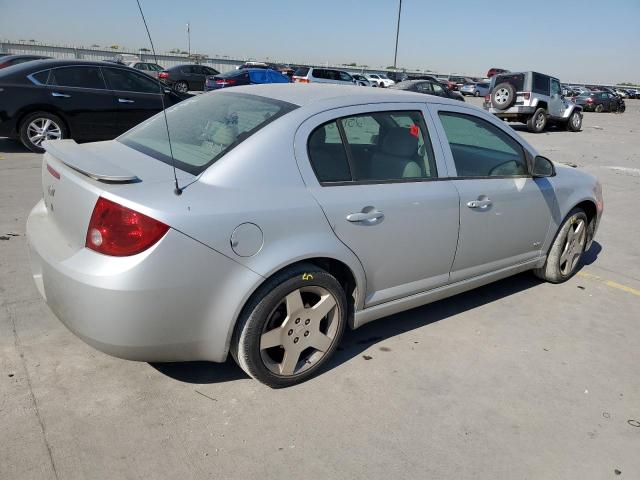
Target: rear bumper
{"type": "Point", "coordinates": [511, 112]}
{"type": "Point", "coordinates": [176, 301]}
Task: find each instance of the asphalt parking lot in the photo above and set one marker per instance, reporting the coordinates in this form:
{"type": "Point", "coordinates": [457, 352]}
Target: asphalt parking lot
{"type": "Point", "coordinates": [519, 379]}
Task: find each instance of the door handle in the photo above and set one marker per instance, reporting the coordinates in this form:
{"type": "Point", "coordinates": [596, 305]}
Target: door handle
{"type": "Point", "coordinates": [58, 94]}
{"type": "Point", "coordinates": [125, 100]}
{"type": "Point", "coordinates": [479, 203]}
{"type": "Point", "coordinates": [367, 214]}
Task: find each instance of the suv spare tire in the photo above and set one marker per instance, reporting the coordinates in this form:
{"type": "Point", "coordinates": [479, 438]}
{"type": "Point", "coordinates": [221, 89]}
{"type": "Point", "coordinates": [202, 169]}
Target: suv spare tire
{"type": "Point", "coordinates": [503, 96]}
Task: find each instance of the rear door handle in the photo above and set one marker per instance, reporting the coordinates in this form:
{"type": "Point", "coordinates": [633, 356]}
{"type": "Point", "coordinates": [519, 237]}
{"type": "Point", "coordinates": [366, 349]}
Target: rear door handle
{"type": "Point", "coordinates": [479, 203]}
{"type": "Point", "coordinates": [58, 94]}
{"type": "Point", "coordinates": [125, 100]}
{"type": "Point", "coordinates": [367, 214]}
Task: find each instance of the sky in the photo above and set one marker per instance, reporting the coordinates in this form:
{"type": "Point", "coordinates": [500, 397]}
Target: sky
{"type": "Point", "coordinates": [568, 39]}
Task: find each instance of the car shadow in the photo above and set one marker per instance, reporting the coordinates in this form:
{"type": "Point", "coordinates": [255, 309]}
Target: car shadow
{"type": "Point", "coordinates": [548, 129]}
{"type": "Point", "coordinates": [591, 255]}
{"type": "Point", "coordinates": [201, 372]}
{"type": "Point", "coordinates": [9, 145]}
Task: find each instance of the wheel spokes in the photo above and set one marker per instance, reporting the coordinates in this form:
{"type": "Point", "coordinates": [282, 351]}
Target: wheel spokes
{"type": "Point", "coordinates": [272, 338]}
{"type": "Point", "coordinates": [321, 342]}
{"type": "Point", "coordinates": [323, 307]}
{"type": "Point", "coordinates": [294, 303]}
{"type": "Point", "coordinates": [289, 361]}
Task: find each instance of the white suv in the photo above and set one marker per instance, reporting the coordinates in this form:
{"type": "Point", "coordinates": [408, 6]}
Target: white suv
{"type": "Point", "coordinates": [379, 80]}
{"type": "Point", "coordinates": [322, 75]}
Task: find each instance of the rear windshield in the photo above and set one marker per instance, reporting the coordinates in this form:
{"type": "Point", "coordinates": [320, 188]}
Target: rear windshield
{"type": "Point", "coordinates": [204, 128]}
{"type": "Point", "coordinates": [301, 72]}
{"type": "Point", "coordinates": [515, 79]}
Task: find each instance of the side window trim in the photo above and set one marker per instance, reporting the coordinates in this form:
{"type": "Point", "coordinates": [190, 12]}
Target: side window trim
{"type": "Point", "coordinates": [52, 70]}
{"type": "Point", "coordinates": [435, 109]}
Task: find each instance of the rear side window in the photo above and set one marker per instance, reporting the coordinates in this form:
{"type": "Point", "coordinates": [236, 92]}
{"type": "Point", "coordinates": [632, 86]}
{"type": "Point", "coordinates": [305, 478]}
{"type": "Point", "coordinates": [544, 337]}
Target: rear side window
{"type": "Point", "coordinates": [41, 77]}
{"type": "Point", "coordinates": [123, 80]}
{"type": "Point", "coordinates": [480, 149]}
{"type": "Point", "coordinates": [320, 73]}
{"type": "Point", "coordinates": [517, 80]}
{"type": "Point", "coordinates": [204, 128]}
{"type": "Point", "coordinates": [301, 72]}
{"type": "Point", "coordinates": [83, 77]}
{"type": "Point", "coordinates": [540, 84]}
{"type": "Point", "coordinates": [373, 148]}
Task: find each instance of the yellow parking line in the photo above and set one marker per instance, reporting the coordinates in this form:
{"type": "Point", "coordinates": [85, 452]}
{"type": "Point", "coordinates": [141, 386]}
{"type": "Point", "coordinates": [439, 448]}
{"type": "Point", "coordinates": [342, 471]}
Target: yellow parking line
{"type": "Point", "coordinates": [610, 283]}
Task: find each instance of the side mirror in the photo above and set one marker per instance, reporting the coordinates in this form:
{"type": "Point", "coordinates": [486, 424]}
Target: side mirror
{"type": "Point", "coordinates": [543, 167]}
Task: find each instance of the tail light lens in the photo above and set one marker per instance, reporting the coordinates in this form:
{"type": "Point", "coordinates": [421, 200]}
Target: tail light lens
{"type": "Point", "coordinates": [526, 95]}
{"type": "Point", "coordinates": [119, 231]}
{"type": "Point", "coordinates": [4, 65]}
{"type": "Point", "coordinates": [163, 75]}
{"type": "Point", "coordinates": [487, 98]}
{"type": "Point", "coordinates": [589, 100]}
{"type": "Point", "coordinates": [301, 80]}
{"type": "Point", "coordinates": [228, 81]}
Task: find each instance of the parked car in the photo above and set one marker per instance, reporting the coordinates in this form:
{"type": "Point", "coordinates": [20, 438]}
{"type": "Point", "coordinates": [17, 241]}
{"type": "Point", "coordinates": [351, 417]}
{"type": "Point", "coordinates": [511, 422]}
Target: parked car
{"type": "Point", "coordinates": [601, 102]}
{"type": "Point", "coordinates": [322, 75]}
{"type": "Point", "coordinates": [151, 69]}
{"type": "Point", "coordinates": [633, 93]}
{"type": "Point", "coordinates": [423, 77]}
{"type": "Point", "coordinates": [397, 76]}
{"type": "Point", "coordinates": [379, 79]}
{"type": "Point", "coordinates": [496, 71]}
{"type": "Point", "coordinates": [459, 81]}
{"type": "Point", "coordinates": [621, 93]}
{"type": "Point", "coordinates": [246, 76]}
{"type": "Point", "coordinates": [449, 84]}
{"type": "Point", "coordinates": [284, 69]}
{"type": "Point", "coordinates": [532, 98]}
{"type": "Point", "coordinates": [185, 78]}
{"type": "Point", "coordinates": [429, 88]}
{"type": "Point", "coordinates": [57, 99]}
{"type": "Point", "coordinates": [362, 80]}
{"type": "Point", "coordinates": [277, 282]}
{"type": "Point", "coordinates": [477, 89]}
{"type": "Point", "coordinates": [9, 60]}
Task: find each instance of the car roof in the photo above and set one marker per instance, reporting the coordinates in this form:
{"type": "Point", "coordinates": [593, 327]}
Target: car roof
{"type": "Point", "coordinates": [334, 96]}
{"type": "Point", "coordinates": [22, 55]}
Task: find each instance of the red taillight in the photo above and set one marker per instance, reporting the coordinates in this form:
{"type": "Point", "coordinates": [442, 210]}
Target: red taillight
{"type": "Point", "coordinates": [300, 80]}
{"type": "Point", "coordinates": [119, 231]}
{"type": "Point", "coordinates": [487, 98]}
{"type": "Point", "coordinates": [526, 95]}
{"type": "Point", "coordinates": [4, 65]}
{"type": "Point", "coordinates": [163, 75]}
{"type": "Point", "coordinates": [228, 81]}
{"type": "Point", "coordinates": [589, 100]}
{"type": "Point", "coordinates": [53, 171]}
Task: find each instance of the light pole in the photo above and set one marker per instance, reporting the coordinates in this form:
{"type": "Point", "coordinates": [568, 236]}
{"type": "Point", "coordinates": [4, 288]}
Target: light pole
{"type": "Point", "coordinates": [189, 38]}
{"type": "Point", "coordinates": [395, 55]}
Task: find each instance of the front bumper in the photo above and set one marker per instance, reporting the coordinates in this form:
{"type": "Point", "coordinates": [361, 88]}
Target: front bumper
{"type": "Point", "coordinates": [176, 301]}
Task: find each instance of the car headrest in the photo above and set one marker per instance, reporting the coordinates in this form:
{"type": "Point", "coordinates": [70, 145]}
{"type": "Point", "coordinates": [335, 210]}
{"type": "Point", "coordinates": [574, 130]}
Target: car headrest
{"type": "Point", "coordinates": [400, 142]}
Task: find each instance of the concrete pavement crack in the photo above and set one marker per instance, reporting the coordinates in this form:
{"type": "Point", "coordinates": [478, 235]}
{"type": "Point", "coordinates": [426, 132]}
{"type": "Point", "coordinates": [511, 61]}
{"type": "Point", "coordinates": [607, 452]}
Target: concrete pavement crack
{"type": "Point", "coordinates": [18, 346]}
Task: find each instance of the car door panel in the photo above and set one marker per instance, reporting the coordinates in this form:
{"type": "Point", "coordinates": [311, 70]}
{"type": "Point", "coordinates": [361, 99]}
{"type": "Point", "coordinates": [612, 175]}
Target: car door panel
{"type": "Point", "coordinates": [504, 219]}
{"type": "Point", "coordinates": [410, 249]}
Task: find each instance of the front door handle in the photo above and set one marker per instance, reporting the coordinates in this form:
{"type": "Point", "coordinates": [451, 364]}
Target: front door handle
{"type": "Point", "coordinates": [479, 203]}
{"type": "Point", "coordinates": [58, 94]}
{"type": "Point", "coordinates": [367, 214]}
{"type": "Point", "coordinates": [125, 100]}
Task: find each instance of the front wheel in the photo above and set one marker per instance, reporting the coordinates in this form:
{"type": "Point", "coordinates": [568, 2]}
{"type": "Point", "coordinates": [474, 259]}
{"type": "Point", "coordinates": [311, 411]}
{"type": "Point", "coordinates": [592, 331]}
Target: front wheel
{"type": "Point", "coordinates": [476, 93]}
{"type": "Point", "coordinates": [40, 126]}
{"type": "Point", "coordinates": [291, 326]}
{"type": "Point", "coordinates": [566, 250]}
{"type": "Point", "coordinates": [181, 86]}
{"type": "Point", "coordinates": [538, 121]}
{"type": "Point", "coordinates": [574, 124]}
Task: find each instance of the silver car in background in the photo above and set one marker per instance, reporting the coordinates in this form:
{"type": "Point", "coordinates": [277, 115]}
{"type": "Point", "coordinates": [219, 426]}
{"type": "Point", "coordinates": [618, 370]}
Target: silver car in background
{"type": "Point", "coordinates": [301, 210]}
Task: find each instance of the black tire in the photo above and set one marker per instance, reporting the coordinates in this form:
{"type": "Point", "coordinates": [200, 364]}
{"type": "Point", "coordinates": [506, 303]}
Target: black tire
{"type": "Point", "coordinates": [622, 108]}
{"type": "Point", "coordinates": [537, 122]}
{"type": "Point", "coordinates": [599, 108]}
{"type": "Point", "coordinates": [259, 312]}
{"type": "Point", "coordinates": [181, 86]}
{"type": "Point", "coordinates": [25, 129]}
{"type": "Point", "coordinates": [555, 268]}
{"type": "Point", "coordinates": [476, 93]}
{"type": "Point", "coordinates": [574, 122]}
{"type": "Point", "coordinates": [503, 96]}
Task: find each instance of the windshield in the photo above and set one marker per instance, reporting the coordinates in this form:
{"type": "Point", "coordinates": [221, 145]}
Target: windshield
{"type": "Point", "coordinates": [204, 128]}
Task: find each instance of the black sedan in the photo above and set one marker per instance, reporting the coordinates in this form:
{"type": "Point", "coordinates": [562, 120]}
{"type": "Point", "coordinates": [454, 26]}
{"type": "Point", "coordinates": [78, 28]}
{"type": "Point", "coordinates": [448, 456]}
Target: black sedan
{"type": "Point", "coordinates": [187, 77]}
{"type": "Point", "coordinates": [10, 60]}
{"type": "Point", "coordinates": [600, 102]}
{"type": "Point", "coordinates": [428, 87]}
{"type": "Point", "coordinates": [54, 99]}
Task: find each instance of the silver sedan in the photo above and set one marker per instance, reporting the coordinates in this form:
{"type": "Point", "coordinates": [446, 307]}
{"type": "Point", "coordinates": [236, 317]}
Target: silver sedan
{"type": "Point", "coordinates": [296, 211]}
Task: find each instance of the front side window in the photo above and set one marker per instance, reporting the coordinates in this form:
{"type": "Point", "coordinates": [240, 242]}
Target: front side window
{"type": "Point", "coordinates": [345, 77]}
{"type": "Point", "coordinates": [123, 80]}
{"type": "Point", "coordinates": [438, 90]}
{"type": "Point", "coordinates": [481, 149]}
{"type": "Point", "coordinates": [204, 128]}
{"type": "Point", "coordinates": [555, 87]}
{"type": "Point", "coordinates": [424, 87]}
{"type": "Point", "coordinates": [82, 77]}
{"type": "Point", "coordinates": [374, 147]}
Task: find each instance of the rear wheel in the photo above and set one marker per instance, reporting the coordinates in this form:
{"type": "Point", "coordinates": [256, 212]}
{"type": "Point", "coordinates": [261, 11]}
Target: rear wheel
{"type": "Point", "coordinates": [181, 86]}
{"type": "Point", "coordinates": [476, 93]}
{"type": "Point", "coordinates": [40, 126]}
{"type": "Point", "coordinates": [599, 108]}
{"type": "Point", "coordinates": [538, 121]}
{"type": "Point", "coordinates": [291, 326]}
{"type": "Point", "coordinates": [566, 250]}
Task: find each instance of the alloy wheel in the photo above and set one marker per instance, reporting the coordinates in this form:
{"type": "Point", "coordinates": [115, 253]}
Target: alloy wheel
{"type": "Point", "coordinates": [573, 246]}
{"type": "Point", "coordinates": [299, 331]}
{"type": "Point", "coordinates": [575, 120]}
{"type": "Point", "coordinates": [540, 121]}
{"type": "Point", "coordinates": [41, 129]}
{"type": "Point", "coordinates": [502, 96]}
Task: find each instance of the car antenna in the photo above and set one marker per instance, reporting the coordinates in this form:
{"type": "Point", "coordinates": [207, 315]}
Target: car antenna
{"type": "Point", "coordinates": [178, 190]}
